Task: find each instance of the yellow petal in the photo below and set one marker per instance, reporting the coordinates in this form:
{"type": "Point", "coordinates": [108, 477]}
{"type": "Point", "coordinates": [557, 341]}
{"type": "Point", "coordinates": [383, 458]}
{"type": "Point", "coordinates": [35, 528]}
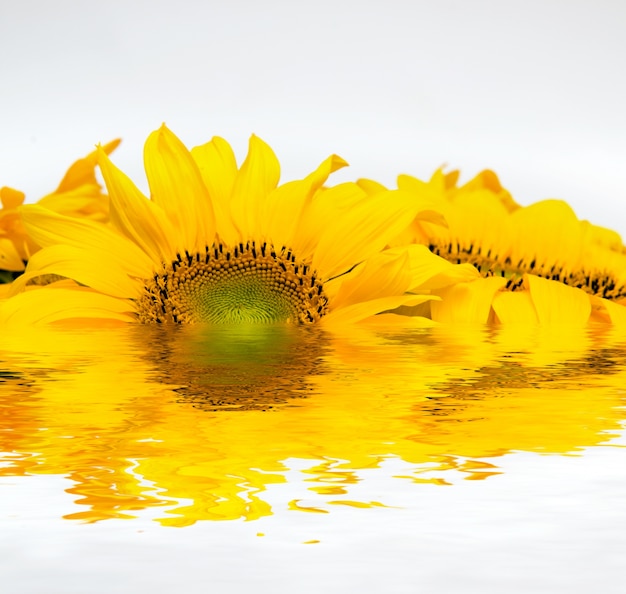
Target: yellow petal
{"type": "Point", "coordinates": [44, 305]}
{"type": "Point", "coordinates": [283, 209]}
{"type": "Point", "coordinates": [318, 177]}
{"type": "Point", "coordinates": [604, 237]}
{"type": "Point", "coordinates": [9, 257]}
{"type": "Point", "coordinates": [557, 303]}
{"type": "Point", "coordinates": [547, 230]}
{"type": "Point", "coordinates": [515, 308]}
{"type": "Point", "coordinates": [467, 302]}
{"type": "Point", "coordinates": [360, 311]}
{"type": "Point", "coordinates": [457, 273]}
{"type": "Point", "coordinates": [365, 230]}
{"type": "Point", "coordinates": [83, 266]}
{"type": "Point", "coordinates": [429, 271]}
{"type": "Point", "coordinates": [257, 177]}
{"type": "Point", "coordinates": [382, 275]}
{"type": "Point", "coordinates": [218, 167]}
{"type": "Point", "coordinates": [488, 180]}
{"type": "Point", "coordinates": [392, 320]}
{"type": "Point", "coordinates": [615, 312]}
{"type": "Point", "coordinates": [327, 204]}
{"type": "Point", "coordinates": [370, 187]}
{"type": "Point", "coordinates": [82, 172]}
{"type": "Point", "coordinates": [176, 185]}
{"type": "Point", "coordinates": [11, 198]}
{"type": "Point", "coordinates": [136, 217]}
{"type": "Point", "coordinates": [48, 228]}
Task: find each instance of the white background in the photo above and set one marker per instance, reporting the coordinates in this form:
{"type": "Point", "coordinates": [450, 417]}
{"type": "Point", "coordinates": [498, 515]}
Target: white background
{"type": "Point", "coordinates": [533, 89]}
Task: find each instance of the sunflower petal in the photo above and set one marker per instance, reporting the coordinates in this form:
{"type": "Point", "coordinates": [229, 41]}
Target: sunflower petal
{"type": "Point", "coordinates": [84, 267]}
{"type": "Point", "coordinates": [9, 257]}
{"type": "Point", "coordinates": [176, 185]}
{"type": "Point", "coordinates": [383, 275]}
{"type": "Point", "coordinates": [547, 228]}
{"type": "Point", "coordinates": [467, 302]}
{"type": "Point", "coordinates": [51, 304]}
{"type": "Point", "coordinates": [615, 311]}
{"type": "Point", "coordinates": [11, 198]}
{"type": "Point", "coordinates": [47, 228]}
{"type": "Point", "coordinates": [515, 308]}
{"type": "Point", "coordinates": [284, 207]}
{"type": "Point", "coordinates": [136, 217]}
{"type": "Point", "coordinates": [360, 311]}
{"type": "Point", "coordinates": [258, 176]}
{"type": "Point", "coordinates": [367, 229]}
{"type": "Point", "coordinates": [218, 168]}
{"type": "Point", "coordinates": [82, 172]}
{"type": "Point", "coordinates": [370, 187]}
{"type": "Point", "coordinates": [557, 303]}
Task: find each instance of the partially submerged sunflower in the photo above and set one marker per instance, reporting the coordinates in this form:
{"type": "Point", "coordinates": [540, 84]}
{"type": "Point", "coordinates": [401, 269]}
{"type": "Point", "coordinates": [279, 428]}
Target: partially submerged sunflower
{"type": "Point", "coordinates": [220, 244]}
{"type": "Point", "coordinates": [534, 264]}
{"type": "Point", "coordinates": [79, 194]}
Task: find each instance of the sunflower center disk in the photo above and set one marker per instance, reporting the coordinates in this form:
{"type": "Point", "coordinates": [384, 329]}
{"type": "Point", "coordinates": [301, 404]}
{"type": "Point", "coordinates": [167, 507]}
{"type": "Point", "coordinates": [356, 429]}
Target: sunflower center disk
{"type": "Point", "coordinates": [241, 285]}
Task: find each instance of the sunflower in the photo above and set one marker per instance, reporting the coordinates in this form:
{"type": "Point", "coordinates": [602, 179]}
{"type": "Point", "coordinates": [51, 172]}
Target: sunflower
{"type": "Point", "coordinates": [79, 194]}
{"type": "Point", "coordinates": [223, 244]}
{"type": "Point", "coordinates": [536, 264]}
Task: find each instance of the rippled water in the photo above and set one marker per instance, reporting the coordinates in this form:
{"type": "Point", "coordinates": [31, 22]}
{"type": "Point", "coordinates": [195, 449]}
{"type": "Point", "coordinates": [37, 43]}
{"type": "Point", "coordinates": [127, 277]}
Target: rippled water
{"type": "Point", "coordinates": [276, 459]}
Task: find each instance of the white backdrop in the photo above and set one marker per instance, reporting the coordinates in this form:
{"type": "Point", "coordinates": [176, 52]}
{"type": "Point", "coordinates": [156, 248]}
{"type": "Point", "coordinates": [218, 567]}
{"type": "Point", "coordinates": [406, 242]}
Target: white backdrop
{"type": "Point", "coordinates": [534, 89]}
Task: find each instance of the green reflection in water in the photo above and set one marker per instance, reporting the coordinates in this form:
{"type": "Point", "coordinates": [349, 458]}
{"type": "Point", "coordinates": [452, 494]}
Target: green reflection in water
{"type": "Point", "coordinates": [147, 417]}
{"type": "Point", "coordinates": [235, 367]}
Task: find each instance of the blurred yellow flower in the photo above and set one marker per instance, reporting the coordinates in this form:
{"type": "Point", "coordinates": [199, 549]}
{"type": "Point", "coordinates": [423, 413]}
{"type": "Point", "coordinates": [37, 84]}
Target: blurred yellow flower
{"type": "Point", "coordinates": [536, 264]}
{"type": "Point", "coordinates": [220, 243]}
{"type": "Point", "coordinates": [78, 195]}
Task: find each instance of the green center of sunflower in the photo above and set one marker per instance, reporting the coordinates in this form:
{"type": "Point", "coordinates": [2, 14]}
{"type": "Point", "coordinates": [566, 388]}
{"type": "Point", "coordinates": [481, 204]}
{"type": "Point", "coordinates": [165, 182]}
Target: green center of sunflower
{"type": "Point", "coordinates": [595, 282]}
{"type": "Point", "coordinates": [241, 285]}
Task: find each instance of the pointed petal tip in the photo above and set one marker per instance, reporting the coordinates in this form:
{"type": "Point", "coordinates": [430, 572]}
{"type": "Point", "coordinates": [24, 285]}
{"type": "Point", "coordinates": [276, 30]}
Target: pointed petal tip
{"type": "Point", "coordinates": [337, 162]}
{"type": "Point", "coordinates": [110, 146]}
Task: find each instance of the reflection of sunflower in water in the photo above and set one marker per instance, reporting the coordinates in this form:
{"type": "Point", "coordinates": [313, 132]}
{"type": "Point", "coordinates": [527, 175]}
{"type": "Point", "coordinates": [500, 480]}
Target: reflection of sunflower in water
{"type": "Point", "coordinates": [222, 244]}
{"type": "Point", "coordinates": [538, 263]}
{"type": "Point", "coordinates": [78, 195]}
{"type": "Point", "coordinates": [449, 403]}
{"type": "Point", "coordinates": [225, 368]}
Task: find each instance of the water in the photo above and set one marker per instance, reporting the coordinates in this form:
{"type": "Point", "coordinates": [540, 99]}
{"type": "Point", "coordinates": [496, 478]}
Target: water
{"type": "Point", "coordinates": [274, 459]}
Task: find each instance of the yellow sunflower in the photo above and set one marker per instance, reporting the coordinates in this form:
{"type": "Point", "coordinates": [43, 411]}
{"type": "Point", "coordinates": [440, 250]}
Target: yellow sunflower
{"type": "Point", "coordinates": [79, 194]}
{"type": "Point", "coordinates": [536, 264]}
{"type": "Point", "coordinates": [222, 244]}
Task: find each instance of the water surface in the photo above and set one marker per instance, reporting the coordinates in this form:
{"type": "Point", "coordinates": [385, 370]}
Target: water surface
{"type": "Point", "coordinates": [468, 459]}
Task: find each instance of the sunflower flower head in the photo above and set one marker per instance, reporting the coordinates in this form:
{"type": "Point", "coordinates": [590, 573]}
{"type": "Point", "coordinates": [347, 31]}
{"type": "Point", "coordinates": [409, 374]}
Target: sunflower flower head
{"type": "Point", "coordinates": [537, 263]}
{"type": "Point", "coordinates": [226, 244]}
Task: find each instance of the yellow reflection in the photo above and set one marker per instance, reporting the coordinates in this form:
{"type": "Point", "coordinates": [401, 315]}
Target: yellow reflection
{"type": "Point", "coordinates": [202, 422]}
